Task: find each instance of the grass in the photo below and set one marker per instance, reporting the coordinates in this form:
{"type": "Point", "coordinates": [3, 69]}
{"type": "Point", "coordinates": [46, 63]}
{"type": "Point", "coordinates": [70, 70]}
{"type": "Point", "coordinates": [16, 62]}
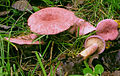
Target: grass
{"type": "Point", "coordinates": [41, 65]}
{"type": "Point", "coordinates": [25, 60]}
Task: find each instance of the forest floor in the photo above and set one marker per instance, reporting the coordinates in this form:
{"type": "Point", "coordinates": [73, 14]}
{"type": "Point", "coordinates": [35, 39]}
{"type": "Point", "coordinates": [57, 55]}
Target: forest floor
{"type": "Point", "coordinates": [57, 56]}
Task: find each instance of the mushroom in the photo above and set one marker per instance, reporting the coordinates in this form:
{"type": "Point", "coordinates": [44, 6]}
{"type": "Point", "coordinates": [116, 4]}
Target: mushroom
{"type": "Point", "coordinates": [93, 44]}
{"type": "Point", "coordinates": [27, 39]}
{"type": "Point", "coordinates": [84, 27]}
{"type": "Point", "coordinates": [107, 29]}
{"type": "Point", "coordinates": [48, 21]}
{"type": "Point", "coordinates": [51, 20]}
{"type": "Point", "coordinates": [75, 27]}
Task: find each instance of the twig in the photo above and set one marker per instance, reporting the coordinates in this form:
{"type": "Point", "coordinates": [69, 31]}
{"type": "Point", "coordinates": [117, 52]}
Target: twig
{"type": "Point", "coordinates": [51, 51]}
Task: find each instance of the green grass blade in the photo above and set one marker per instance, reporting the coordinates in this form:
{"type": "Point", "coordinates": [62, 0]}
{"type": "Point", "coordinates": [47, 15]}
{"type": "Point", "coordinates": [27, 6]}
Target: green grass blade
{"type": "Point", "coordinates": [35, 69]}
{"type": "Point", "coordinates": [46, 48]}
{"type": "Point", "coordinates": [14, 69]}
{"type": "Point", "coordinates": [38, 38]}
{"type": "Point", "coordinates": [40, 62]}
{"type": "Point", "coordinates": [2, 50]}
{"type": "Point", "coordinates": [51, 71]}
{"type": "Point", "coordinates": [56, 66]}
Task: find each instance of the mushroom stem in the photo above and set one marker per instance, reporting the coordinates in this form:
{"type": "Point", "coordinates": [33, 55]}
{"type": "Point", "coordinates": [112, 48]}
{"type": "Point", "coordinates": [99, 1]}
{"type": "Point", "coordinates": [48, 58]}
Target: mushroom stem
{"type": "Point", "coordinates": [88, 51]}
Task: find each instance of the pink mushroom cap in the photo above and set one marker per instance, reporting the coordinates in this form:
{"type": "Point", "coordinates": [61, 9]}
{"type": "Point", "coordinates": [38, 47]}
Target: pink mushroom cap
{"type": "Point", "coordinates": [107, 29]}
{"type": "Point", "coordinates": [51, 20]}
{"type": "Point", "coordinates": [27, 39]}
{"type": "Point", "coordinates": [96, 39]}
{"type": "Point", "coordinates": [85, 27]}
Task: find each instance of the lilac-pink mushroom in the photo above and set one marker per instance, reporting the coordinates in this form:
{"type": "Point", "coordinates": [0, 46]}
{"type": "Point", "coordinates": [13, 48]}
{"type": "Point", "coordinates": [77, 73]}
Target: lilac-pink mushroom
{"type": "Point", "coordinates": [84, 27]}
{"type": "Point", "coordinates": [47, 21]}
{"type": "Point", "coordinates": [51, 20]}
{"type": "Point", "coordinates": [27, 39]}
{"type": "Point", "coordinates": [93, 44]}
{"type": "Point", "coordinates": [107, 29]}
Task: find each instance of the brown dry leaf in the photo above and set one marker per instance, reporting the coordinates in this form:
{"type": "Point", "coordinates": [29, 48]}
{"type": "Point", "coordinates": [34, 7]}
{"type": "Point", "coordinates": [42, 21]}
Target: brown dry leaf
{"type": "Point", "coordinates": [116, 73]}
{"type": "Point", "coordinates": [1, 31]}
{"type": "Point", "coordinates": [62, 56]}
{"type": "Point", "coordinates": [41, 7]}
{"type": "Point", "coordinates": [4, 13]}
{"type": "Point", "coordinates": [5, 26]}
{"type": "Point", "coordinates": [70, 7]}
{"type": "Point", "coordinates": [22, 5]}
{"type": "Point", "coordinates": [77, 2]}
{"type": "Point", "coordinates": [106, 73]}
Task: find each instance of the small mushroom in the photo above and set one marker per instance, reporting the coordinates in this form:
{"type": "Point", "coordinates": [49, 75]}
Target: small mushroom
{"type": "Point", "coordinates": [51, 20]}
{"type": "Point", "coordinates": [84, 27]}
{"type": "Point", "coordinates": [107, 29]}
{"type": "Point", "coordinates": [75, 27]}
{"type": "Point", "coordinates": [93, 44]}
{"type": "Point", "coordinates": [27, 39]}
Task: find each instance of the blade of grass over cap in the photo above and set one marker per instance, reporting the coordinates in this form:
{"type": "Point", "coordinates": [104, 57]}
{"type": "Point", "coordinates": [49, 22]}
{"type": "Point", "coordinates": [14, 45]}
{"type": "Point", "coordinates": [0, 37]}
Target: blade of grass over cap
{"type": "Point", "coordinates": [38, 38]}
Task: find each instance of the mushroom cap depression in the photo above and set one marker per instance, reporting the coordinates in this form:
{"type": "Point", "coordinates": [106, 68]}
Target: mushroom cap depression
{"type": "Point", "coordinates": [95, 39]}
{"type": "Point", "coordinates": [107, 29]}
{"type": "Point", "coordinates": [51, 20]}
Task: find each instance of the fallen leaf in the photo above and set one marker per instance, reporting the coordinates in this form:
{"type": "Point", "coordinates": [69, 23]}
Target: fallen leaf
{"type": "Point", "coordinates": [62, 56]}
{"type": "Point", "coordinates": [105, 73]}
{"type": "Point", "coordinates": [116, 73]}
{"type": "Point", "coordinates": [22, 5]}
{"type": "Point", "coordinates": [1, 31]}
{"type": "Point", "coordinates": [77, 2]}
{"type": "Point", "coordinates": [4, 13]}
{"type": "Point", "coordinates": [108, 73]}
{"type": "Point", "coordinates": [4, 26]}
